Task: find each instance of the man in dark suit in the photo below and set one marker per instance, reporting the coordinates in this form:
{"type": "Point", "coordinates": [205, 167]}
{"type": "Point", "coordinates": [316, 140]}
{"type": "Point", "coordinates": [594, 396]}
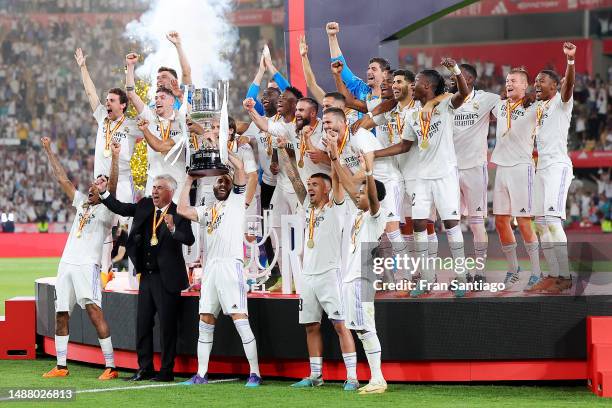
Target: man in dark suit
{"type": "Point", "coordinates": [154, 246]}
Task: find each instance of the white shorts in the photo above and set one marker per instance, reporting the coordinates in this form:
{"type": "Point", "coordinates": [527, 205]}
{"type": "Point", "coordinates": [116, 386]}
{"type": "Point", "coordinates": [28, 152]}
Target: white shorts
{"type": "Point", "coordinates": [320, 293]}
{"type": "Point", "coordinates": [550, 190]}
{"type": "Point", "coordinates": [77, 284]}
{"type": "Point", "coordinates": [443, 193]}
{"type": "Point", "coordinates": [224, 288]}
{"type": "Point", "coordinates": [282, 203]}
{"type": "Point", "coordinates": [359, 313]}
{"type": "Point", "coordinates": [409, 186]}
{"type": "Point", "coordinates": [393, 201]}
{"type": "Point", "coordinates": [473, 189]}
{"type": "Point", "coordinates": [513, 191]}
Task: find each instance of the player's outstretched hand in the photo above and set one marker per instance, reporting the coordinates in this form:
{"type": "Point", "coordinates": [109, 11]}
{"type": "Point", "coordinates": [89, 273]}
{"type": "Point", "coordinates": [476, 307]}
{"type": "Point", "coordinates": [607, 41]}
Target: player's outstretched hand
{"type": "Point", "coordinates": [249, 104]}
{"type": "Point", "coordinates": [174, 37]}
{"type": "Point", "coordinates": [46, 142]}
{"type": "Point", "coordinates": [569, 50]}
{"type": "Point", "coordinates": [332, 28]}
{"type": "Point", "coordinates": [131, 58]}
{"type": "Point", "coordinates": [303, 46]}
{"type": "Point", "coordinates": [169, 220]}
{"type": "Point", "coordinates": [448, 63]}
{"type": "Point", "coordinates": [142, 124]}
{"type": "Point", "coordinates": [336, 67]}
{"type": "Point", "coordinates": [115, 148]}
{"type": "Point", "coordinates": [79, 57]}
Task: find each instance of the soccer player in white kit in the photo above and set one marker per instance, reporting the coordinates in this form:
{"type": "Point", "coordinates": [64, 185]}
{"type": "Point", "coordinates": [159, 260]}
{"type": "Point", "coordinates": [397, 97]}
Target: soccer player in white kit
{"type": "Point", "coordinates": [470, 132]}
{"type": "Point", "coordinates": [321, 278]}
{"type": "Point", "coordinates": [437, 179]}
{"type": "Point", "coordinates": [368, 221]}
{"type": "Point", "coordinates": [78, 275]}
{"type": "Point", "coordinates": [165, 129]}
{"type": "Point", "coordinates": [224, 286]}
{"type": "Point", "coordinates": [513, 190]}
{"type": "Point", "coordinates": [554, 170]}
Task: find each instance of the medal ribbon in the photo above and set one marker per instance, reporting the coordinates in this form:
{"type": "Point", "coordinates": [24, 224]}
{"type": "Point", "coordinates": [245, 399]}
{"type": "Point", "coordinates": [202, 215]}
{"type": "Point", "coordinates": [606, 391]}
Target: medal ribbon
{"type": "Point", "coordinates": [110, 133]}
{"type": "Point", "coordinates": [214, 215]}
{"type": "Point", "coordinates": [312, 220]}
{"type": "Point", "coordinates": [344, 139]}
{"type": "Point", "coordinates": [84, 219]}
{"type": "Point", "coordinates": [356, 227]}
{"type": "Point", "coordinates": [425, 124]}
{"type": "Point", "coordinates": [269, 136]}
{"type": "Point", "coordinates": [509, 110]}
{"type": "Point", "coordinates": [157, 222]}
{"type": "Point", "coordinates": [164, 133]}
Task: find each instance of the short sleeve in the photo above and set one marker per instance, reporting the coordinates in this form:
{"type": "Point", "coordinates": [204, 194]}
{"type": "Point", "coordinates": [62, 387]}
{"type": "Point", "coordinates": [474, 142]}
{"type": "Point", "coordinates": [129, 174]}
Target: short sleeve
{"type": "Point", "coordinates": [79, 198]}
{"type": "Point", "coordinates": [380, 119]}
{"type": "Point", "coordinates": [147, 114]}
{"type": "Point", "coordinates": [277, 129]}
{"type": "Point", "coordinates": [202, 212]}
{"type": "Point", "coordinates": [366, 141]}
{"type": "Point", "coordinates": [377, 223]}
{"type": "Point", "coordinates": [490, 101]}
{"type": "Point", "coordinates": [248, 159]}
{"type": "Point", "coordinates": [408, 133]}
{"type": "Point", "coordinates": [100, 114]}
{"type": "Point", "coordinates": [446, 105]}
{"type": "Point", "coordinates": [496, 108]}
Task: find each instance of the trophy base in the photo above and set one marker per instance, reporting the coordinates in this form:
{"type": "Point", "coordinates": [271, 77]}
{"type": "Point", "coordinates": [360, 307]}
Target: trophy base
{"type": "Point", "coordinates": [213, 172]}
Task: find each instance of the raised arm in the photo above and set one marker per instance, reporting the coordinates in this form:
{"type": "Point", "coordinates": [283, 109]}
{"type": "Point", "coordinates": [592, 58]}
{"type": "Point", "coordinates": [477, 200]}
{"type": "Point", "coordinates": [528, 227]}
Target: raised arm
{"type": "Point", "coordinates": [367, 163]}
{"type": "Point", "coordinates": [280, 80]}
{"type": "Point", "coordinates": [116, 206]}
{"type": "Point", "coordinates": [343, 174]}
{"type": "Point", "coordinates": [161, 146]}
{"type": "Point", "coordinates": [288, 162]}
{"type": "Point", "coordinates": [567, 86]}
{"type": "Point", "coordinates": [260, 121]}
{"type": "Point", "coordinates": [90, 88]}
{"type": "Point", "coordinates": [130, 84]}
{"type": "Point", "coordinates": [114, 173]}
{"type": "Point", "coordinates": [175, 39]}
{"type": "Point", "coordinates": [351, 101]}
{"type": "Point", "coordinates": [462, 88]}
{"type": "Point", "coordinates": [184, 209]}
{"type": "Point", "coordinates": [58, 170]}
{"type": "Point", "coordinates": [240, 177]}
{"type": "Point", "coordinates": [253, 91]}
{"type": "Point", "coordinates": [337, 190]}
{"type": "Point", "coordinates": [311, 82]}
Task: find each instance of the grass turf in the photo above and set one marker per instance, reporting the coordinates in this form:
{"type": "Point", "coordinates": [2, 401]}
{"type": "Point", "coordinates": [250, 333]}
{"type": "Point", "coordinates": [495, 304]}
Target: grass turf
{"type": "Point", "coordinates": [273, 393]}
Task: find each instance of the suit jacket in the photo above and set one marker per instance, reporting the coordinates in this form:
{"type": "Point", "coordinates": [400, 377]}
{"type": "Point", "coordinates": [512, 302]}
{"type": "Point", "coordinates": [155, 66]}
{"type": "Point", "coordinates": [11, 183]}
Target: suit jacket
{"type": "Point", "coordinates": [169, 249]}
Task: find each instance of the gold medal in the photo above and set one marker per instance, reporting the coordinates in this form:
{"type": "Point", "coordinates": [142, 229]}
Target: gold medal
{"type": "Point", "coordinates": [154, 240]}
{"type": "Point", "coordinates": [156, 223]}
{"type": "Point", "coordinates": [78, 234]}
{"type": "Point", "coordinates": [425, 144]}
{"type": "Point", "coordinates": [310, 243]}
{"type": "Point", "coordinates": [107, 153]}
{"type": "Point", "coordinates": [301, 163]}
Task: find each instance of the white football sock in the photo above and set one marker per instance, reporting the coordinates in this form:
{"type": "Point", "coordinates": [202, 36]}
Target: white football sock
{"type": "Point", "coordinates": [433, 245]}
{"type": "Point", "coordinates": [455, 242]}
{"type": "Point", "coordinates": [510, 253]}
{"type": "Point", "coordinates": [350, 361]}
{"type": "Point", "coordinates": [61, 349]}
{"type": "Point", "coordinates": [547, 244]}
{"type": "Point", "coordinates": [205, 343]}
{"type": "Point", "coordinates": [421, 253]}
{"type": "Point", "coordinates": [107, 351]}
{"type": "Point", "coordinates": [371, 346]}
{"type": "Point", "coordinates": [481, 241]}
{"type": "Point", "coordinates": [249, 343]}
{"type": "Point", "coordinates": [316, 367]}
{"type": "Point", "coordinates": [533, 250]}
{"type": "Point", "coordinates": [555, 226]}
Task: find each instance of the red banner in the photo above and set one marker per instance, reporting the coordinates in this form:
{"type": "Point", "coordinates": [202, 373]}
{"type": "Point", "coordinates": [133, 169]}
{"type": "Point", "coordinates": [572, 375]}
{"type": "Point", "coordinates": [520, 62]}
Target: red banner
{"type": "Point", "coordinates": [592, 159]}
{"type": "Point", "coordinates": [541, 54]}
{"type": "Point", "coordinates": [509, 7]}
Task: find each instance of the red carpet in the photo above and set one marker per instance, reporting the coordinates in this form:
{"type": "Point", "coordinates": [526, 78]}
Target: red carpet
{"type": "Point", "coordinates": [32, 245]}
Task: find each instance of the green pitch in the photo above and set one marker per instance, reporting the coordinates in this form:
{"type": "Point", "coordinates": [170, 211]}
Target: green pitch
{"type": "Point", "coordinates": [275, 393]}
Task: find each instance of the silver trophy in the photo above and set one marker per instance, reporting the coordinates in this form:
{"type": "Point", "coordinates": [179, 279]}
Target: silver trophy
{"type": "Point", "coordinates": [205, 158]}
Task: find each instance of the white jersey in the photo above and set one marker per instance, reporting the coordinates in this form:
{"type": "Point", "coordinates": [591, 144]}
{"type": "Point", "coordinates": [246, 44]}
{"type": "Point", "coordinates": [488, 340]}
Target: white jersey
{"type": "Point", "coordinates": [87, 249]}
{"type": "Point", "coordinates": [552, 129]}
{"type": "Point", "coordinates": [365, 228]}
{"type": "Point", "coordinates": [513, 146]}
{"type": "Point", "coordinates": [310, 167]}
{"type": "Point", "coordinates": [157, 164]}
{"type": "Point", "coordinates": [389, 129]}
{"type": "Point", "coordinates": [244, 153]}
{"type": "Point", "coordinates": [326, 253]}
{"type": "Point", "coordinates": [437, 159]}
{"type": "Point", "coordinates": [125, 134]}
{"type": "Point", "coordinates": [362, 140]}
{"type": "Point", "coordinates": [471, 129]}
{"type": "Point", "coordinates": [262, 140]}
{"type": "Point", "coordinates": [281, 128]}
{"type": "Point", "coordinates": [224, 222]}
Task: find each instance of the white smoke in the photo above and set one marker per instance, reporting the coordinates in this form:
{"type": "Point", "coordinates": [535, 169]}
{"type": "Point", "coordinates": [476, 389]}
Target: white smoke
{"type": "Point", "coordinates": [207, 37]}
